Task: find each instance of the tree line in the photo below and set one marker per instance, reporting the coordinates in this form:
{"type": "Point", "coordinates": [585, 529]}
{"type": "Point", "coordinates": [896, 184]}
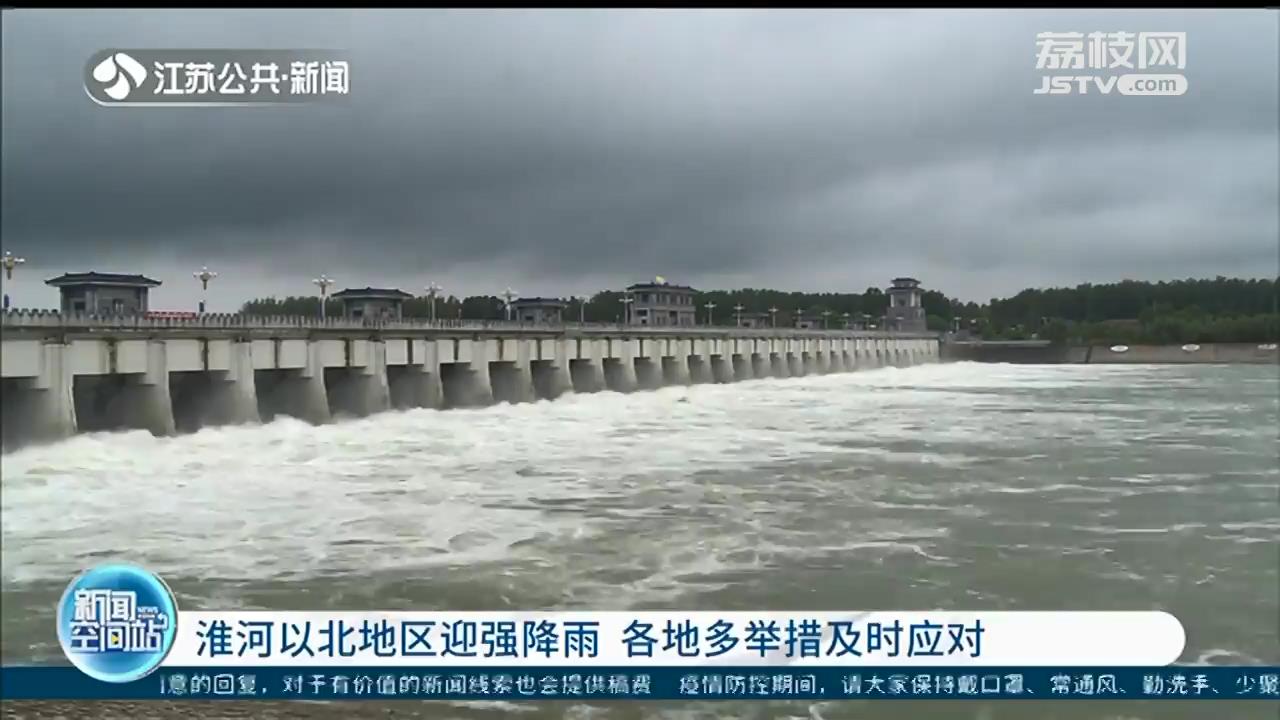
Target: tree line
{"type": "Point", "coordinates": [1180, 311]}
{"type": "Point", "coordinates": [1138, 312]}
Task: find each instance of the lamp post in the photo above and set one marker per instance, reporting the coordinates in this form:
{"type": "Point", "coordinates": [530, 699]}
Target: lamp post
{"type": "Point", "coordinates": [324, 282]}
{"type": "Point", "coordinates": [433, 290]}
{"type": "Point", "coordinates": [737, 316]}
{"type": "Point", "coordinates": [204, 276]}
{"type": "Point", "coordinates": [508, 295]}
{"type": "Point", "coordinates": [626, 301]}
{"type": "Point", "coordinates": [773, 317]}
{"type": "Point", "coordinates": [825, 314]}
{"type": "Point", "coordinates": [10, 262]}
{"type": "Point", "coordinates": [711, 308]}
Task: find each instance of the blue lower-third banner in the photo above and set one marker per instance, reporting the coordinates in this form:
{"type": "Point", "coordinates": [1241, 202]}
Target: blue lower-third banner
{"type": "Point", "coordinates": [653, 683]}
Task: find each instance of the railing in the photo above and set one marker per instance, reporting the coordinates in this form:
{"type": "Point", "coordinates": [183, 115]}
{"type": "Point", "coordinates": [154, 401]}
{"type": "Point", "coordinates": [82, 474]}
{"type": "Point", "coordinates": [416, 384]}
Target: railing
{"type": "Point", "coordinates": [52, 319]}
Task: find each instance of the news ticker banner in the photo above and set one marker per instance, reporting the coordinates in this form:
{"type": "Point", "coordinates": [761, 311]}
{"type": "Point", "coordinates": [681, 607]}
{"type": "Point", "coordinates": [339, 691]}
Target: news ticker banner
{"type": "Point", "coordinates": [120, 628]}
{"type": "Point", "coordinates": [632, 682]}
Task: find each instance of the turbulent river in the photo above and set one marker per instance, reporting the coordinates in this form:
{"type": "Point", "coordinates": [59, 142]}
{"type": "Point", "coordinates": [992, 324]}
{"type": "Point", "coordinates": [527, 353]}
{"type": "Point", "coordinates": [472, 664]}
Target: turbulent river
{"type": "Point", "coordinates": [958, 486]}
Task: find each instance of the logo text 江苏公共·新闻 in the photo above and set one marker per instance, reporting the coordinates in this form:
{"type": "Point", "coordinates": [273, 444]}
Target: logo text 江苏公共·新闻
{"type": "Point", "coordinates": [1106, 63]}
{"type": "Point", "coordinates": [216, 77]}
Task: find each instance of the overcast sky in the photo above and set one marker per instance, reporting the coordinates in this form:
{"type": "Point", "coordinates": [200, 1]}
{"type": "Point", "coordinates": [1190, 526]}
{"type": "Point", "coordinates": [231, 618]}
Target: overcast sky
{"type": "Point", "coordinates": [562, 152]}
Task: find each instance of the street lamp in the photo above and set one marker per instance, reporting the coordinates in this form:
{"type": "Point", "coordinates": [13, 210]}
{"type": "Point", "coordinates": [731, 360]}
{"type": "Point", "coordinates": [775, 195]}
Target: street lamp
{"type": "Point", "coordinates": [626, 301]}
{"type": "Point", "coordinates": [433, 290]}
{"type": "Point", "coordinates": [10, 262]}
{"type": "Point", "coordinates": [737, 318]}
{"type": "Point", "coordinates": [508, 295]}
{"type": "Point", "coordinates": [773, 317]}
{"type": "Point", "coordinates": [324, 282]}
{"type": "Point", "coordinates": [824, 314]}
{"type": "Point", "coordinates": [204, 276]}
{"type": "Point", "coordinates": [711, 308]}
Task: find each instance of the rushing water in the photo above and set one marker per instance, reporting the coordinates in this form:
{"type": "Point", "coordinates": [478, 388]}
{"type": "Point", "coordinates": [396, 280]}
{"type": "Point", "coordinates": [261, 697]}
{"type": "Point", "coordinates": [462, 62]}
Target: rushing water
{"type": "Point", "coordinates": [958, 486]}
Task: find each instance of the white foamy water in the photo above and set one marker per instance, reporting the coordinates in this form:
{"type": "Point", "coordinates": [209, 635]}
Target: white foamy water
{"type": "Point", "coordinates": [958, 486]}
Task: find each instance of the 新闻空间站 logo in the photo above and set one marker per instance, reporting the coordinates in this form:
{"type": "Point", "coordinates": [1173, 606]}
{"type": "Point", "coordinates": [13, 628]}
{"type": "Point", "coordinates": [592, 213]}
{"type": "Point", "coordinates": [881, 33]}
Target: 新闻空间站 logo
{"type": "Point", "coordinates": [117, 622]}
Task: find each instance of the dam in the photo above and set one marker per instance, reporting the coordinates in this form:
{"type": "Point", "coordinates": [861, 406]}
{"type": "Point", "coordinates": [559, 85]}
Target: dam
{"type": "Point", "coordinates": [67, 373]}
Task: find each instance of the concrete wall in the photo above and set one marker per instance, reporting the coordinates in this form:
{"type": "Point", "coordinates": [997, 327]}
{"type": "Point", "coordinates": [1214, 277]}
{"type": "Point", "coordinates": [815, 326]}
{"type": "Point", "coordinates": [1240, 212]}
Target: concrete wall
{"type": "Point", "coordinates": [1029, 354]}
{"type": "Point", "coordinates": [1208, 353]}
{"type": "Point", "coordinates": [1042, 353]}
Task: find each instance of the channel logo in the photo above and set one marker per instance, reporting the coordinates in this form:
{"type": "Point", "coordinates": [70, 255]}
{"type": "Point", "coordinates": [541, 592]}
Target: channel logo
{"type": "Point", "coordinates": [117, 622]}
{"type": "Point", "coordinates": [119, 74]}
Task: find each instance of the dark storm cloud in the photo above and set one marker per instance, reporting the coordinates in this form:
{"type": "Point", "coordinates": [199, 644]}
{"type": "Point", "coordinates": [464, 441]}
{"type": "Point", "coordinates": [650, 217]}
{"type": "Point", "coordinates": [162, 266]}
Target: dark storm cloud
{"type": "Point", "coordinates": [562, 151]}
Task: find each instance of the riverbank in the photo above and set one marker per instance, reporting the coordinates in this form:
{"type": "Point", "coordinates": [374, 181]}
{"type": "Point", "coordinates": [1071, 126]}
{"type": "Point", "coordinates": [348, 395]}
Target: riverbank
{"type": "Point", "coordinates": [1043, 352]}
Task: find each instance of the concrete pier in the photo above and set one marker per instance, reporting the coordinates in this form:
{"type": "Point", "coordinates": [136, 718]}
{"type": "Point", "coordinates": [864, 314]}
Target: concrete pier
{"type": "Point", "coordinates": [292, 393]}
{"type": "Point", "coordinates": [291, 382]}
{"type": "Point", "coordinates": [512, 382]}
{"type": "Point", "coordinates": [779, 367]}
{"type": "Point", "coordinates": [39, 407]}
{"type": "Point", "coordinates": [217, 397]}
{"type": "Point", "coordinates": [359, 387]}
{"type": "Point", "coordinates": [648, 373]}
{"type": "Point", "coordinates": [795, 365]}
{"type": "Point", "coordinates": [466, 384]}
{"type": "Point", "coordinates": [620, 374]}
{"type": "Point", "coordinates": [722, 369]}
{"type": "Point", "coordinates": [411, 386]}
{"type": "Point", "coordinates": [136, 400]}
{"type": "Point", "coordinates": [551, 378]}
{"type": "Point", "coordinates": [700, 369]}
{"type": "Point", "coordinates": [413, 375]}
{"type": "Point", "coordinates": [587, 375]}
{"type": "Point", "coordinates": [67, 374]}
{"type": "Point", "coordinates": [675, 370]}
{"type": "Point", "coordinates": [872, 356]}
{"type": "Point", "coordinates": [814, 364]}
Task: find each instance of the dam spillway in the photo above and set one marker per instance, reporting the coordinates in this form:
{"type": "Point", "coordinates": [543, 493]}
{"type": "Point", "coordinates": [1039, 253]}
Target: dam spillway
{"type": "Point", "coordinates": [63, 374]}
